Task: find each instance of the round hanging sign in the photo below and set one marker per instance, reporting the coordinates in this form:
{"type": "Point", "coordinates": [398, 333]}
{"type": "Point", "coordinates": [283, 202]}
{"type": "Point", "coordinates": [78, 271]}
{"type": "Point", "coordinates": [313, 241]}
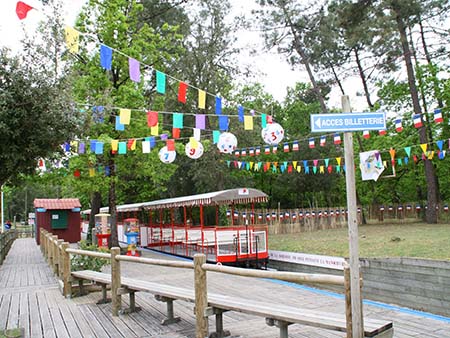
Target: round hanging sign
{"type": "Point", "coordinates": [272, 134]}
{"type": "Point", "coordinates": [227, 143]}
{"type": "Point", "coordinates": [167, 156]}
{"type": "Point", "coordinates": [192, 152]}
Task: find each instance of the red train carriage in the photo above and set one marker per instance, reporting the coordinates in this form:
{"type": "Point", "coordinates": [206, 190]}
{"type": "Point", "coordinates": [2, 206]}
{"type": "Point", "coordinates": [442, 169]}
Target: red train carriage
{"type": "Point", "coordinates": [203, 223]}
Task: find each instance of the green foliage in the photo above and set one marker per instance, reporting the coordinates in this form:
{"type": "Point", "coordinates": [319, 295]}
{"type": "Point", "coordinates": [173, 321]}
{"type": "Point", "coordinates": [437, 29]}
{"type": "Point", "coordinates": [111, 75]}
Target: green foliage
{"type": "Point", "coordinates": [80, 262]}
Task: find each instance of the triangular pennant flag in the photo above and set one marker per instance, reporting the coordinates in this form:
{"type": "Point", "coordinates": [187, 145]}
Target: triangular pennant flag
{"type": "Point", "coordinates": [392, 153]}
{"type": "Point", "coordinates": [294, 163]}
{"type": "Point", "coordinates": [321, 169]}
{"type": "Point", "coordinates": [430, 155]}
{"type": "Point", "coordinates": [440, 144]}
{"type": "Point", "coordinates": [160, 82]}
{"type": "Point", "coordinates": [408, 151]}
{"type": "Point", "coordinates": [424, 147]}
{"type": "Point", "coordinates": [406, 160]}
{"type": "Point", "coordinates": [326, 161]}
{"type": "Point", "coordinates": [338, 160]}
{"type": "Point", "coordinates": [72, 36]}
{"type": "Point", "coordinates": [125, 116]}
{"type": "Point", "coordinates": [105, 57]}
{"type": "Point", "coordinates": [22, 9]}
{"type": "Point", "coordinates": [315, 162]}
{"type": "Point", "coordinates": [182, 90]}
{"type": "Point", "coordinates": [330, 169]}
{"type": "Point", "coordinates": [134, 69]}
{"type": "Point", "coordinates": [201, 99]}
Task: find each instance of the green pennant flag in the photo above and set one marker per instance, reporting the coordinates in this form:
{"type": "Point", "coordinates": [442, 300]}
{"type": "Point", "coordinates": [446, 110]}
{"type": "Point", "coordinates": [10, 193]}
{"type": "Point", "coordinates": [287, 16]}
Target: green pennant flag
{"type": "Point", "coordinates": [315, 170]}
{"type": "Point", "coordinates": [228, 163]}
{"type": "Point", "coordinates": [399, 161]}
{"type": "Point", "coordinates": [408, 151]}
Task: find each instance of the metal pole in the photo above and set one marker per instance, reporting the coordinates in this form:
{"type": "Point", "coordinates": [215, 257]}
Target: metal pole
{"type": "Point", "coordinates": [3, 217]}
{"type": "Point", "coordinates": [355, 290]}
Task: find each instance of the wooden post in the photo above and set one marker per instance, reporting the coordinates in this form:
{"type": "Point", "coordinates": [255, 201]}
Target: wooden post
{"type": "Point", "coordinates": [115, 282]}
{"type": "Point", "coordinates": [201, 296]}
{"type": "Point", "coordinates": [47, 246]}
{"type": "Point", "coordinates": [54, 239]}
{"type": "Point", "coordinates": [348, 301]}
{"type": "Point", "coordinates": [350, 184]}
{"type": "Point", "coordinates": [58, 258]}
{"type": "Point", "coordinates": [66, 270]}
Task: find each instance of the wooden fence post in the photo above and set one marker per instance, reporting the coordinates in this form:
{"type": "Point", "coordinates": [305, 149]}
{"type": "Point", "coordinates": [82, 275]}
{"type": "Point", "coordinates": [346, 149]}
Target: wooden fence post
{"type": "Point", "coordinates": [47, 246]}
{"type": "Point", "coordinates": [53, 240]}
{"type": "Point", "coordinates": [66, 270]}
{"type": "Point", "coordinates": [58, 257]}
{"type": "Point", "coordinates": [201, 296]}
{"type": "Point", "coordinates": [348, 302]}
{"type": "Point", "coordinates": [42, 241]}
{"type": "Point", "coordinates": [115, 282]}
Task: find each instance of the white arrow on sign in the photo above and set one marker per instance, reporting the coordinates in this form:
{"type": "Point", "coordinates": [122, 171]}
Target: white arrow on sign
{"type": "Point", "coordinates": [317, 123]}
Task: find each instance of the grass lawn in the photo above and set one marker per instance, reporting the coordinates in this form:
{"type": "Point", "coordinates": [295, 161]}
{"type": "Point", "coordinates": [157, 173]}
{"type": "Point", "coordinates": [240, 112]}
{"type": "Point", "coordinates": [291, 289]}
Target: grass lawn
{"type": "Point", "coordinates": [397, 240]}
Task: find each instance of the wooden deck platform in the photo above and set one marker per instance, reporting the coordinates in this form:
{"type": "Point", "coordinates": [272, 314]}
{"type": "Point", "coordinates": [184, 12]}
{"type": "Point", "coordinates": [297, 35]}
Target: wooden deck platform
{"type": "Point", "coordinates": [30, 299]}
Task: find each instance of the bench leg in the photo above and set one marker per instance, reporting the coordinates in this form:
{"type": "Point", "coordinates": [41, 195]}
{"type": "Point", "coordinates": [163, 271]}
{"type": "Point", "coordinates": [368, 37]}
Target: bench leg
{"type": "Point", "coordinates": [283, 326]}
{"type": "Point", "coordinates": [170, 314]}
{"type": "Point", "coordinates": [81, 288]}
{"type": "Point", "coordinates": [220, 333]}
{"type": "Point", "coordinates": [133, 307]}
{"type": "Point", "coordinates": [104, 299]}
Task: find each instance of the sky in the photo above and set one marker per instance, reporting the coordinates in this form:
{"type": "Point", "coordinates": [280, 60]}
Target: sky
{"type": "Point", "coordinates": [272, 71]}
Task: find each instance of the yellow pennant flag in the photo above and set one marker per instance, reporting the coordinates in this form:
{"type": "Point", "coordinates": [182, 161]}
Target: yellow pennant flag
{"type": "Point", "coordinates": [72, 36]}
{"type": "Point", "coordinates": [430, 155]}
{"type": "Point", "coordinates": [248, 122]}
{"type": "Point", "coordinates": [154, 131]}
{"type": "Point", "coordinates": [392, 153]}
{"type": "Point", "coordinates": [201, 99]}
{"type": "Point", "coordinates": [299, 168]}
{"type": "Point", "coordinates": [74, 146]}
{"type": "Point", "coordinates": [424, 147]}
{"type": "Point", "coordinates": [194, 143]}
{"type": "Point", "coordinates": [91, 172]}
{"type": "Point", "coordinates": [132, 144]}
{"type": "Point", "coordinates": [125, 115]}
{"type": "Point", "coordinates": [275, 164]}
{"type": "Point", "coordinates": [294, 163]}
{"type": "Point", "coordinates": [385, 164]}
{"type": "Point", "coordinates": [321, 169]}
{"type": "Point", "coordinates": [114, 145]}
{"type": "Point", "coordinates": [338, 160]}
{"type": "Point", "coordinates": [251, 165]}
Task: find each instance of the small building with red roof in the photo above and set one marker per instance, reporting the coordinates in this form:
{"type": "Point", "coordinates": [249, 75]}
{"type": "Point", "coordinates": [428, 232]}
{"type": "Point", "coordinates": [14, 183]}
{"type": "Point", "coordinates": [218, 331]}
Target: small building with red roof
{"type": "Point", "coordinates": [59, 216]}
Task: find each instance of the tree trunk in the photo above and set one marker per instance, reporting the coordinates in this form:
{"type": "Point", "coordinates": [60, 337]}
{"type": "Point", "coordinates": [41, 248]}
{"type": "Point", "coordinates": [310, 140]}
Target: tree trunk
{"type": "Point", "coordinates": [96, 203]}
{"type": "Point", "coordinates": [338, 81]}
{"type": "Point", "coordinates": [363, 78]}
{"type": "Point", "coordinates": [112, 204]}
{"type": "Point", "coordinates": [430, 175]}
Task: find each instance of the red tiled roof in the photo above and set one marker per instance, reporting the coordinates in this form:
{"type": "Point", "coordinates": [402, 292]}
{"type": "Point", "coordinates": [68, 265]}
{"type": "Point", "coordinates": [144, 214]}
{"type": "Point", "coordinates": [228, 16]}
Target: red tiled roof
{"type": "Point", "coordinates": [57, 204]}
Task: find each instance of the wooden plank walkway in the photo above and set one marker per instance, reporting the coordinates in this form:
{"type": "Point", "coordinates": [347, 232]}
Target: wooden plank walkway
{"type": "Point", "coordinates": [30, 299]}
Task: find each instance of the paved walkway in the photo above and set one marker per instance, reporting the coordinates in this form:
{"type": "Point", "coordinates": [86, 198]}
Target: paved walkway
{"type": "Point", "coordinates": [30, 299]}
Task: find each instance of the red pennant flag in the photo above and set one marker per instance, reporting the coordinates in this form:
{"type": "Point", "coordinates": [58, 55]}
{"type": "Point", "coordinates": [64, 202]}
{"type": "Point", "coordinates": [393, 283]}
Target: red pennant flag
{"type": "Point", "coordinates": [176, 132]}
{"type": "Point", "coordinates": [152, 118]}
{"type": "Point", "coordinates": [182, 89]}
{"type": "Point", "coordinates": [170, 145]}
{"type": "Point", "coordinates": [76, 173]}
{"type": "Point", "coordinates": [22, 9]}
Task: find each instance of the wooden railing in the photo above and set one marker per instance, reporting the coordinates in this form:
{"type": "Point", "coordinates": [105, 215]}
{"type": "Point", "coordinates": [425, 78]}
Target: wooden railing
{"type": "Point", "coordinates": [24, 231]}
{"type": "Point", "coordinates": [57, 253]}
{"type": "Point", "coordinates": [6, 240]}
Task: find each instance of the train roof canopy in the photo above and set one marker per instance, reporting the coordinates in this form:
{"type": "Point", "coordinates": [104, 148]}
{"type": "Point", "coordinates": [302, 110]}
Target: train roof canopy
{"type": "Point", "coordinates": [223, 197]}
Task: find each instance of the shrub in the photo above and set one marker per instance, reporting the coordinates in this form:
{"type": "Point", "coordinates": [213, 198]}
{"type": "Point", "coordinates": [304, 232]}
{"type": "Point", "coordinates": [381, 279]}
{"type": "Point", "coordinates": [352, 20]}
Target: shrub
{"type": "Point", "coordinates": [80, 262]}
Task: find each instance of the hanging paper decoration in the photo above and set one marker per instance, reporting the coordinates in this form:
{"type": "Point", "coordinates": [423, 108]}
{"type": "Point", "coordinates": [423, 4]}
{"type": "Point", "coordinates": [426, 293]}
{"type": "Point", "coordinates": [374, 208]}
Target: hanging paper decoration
{"type": "Point", "coordinates": [152, 118]}
{"type": "Point", "coordinates": [122, 148]}
{"type": "Point", "coordinates": [99, 148]}
{"type": "Point", "coordinates": [264, 121]}
{"type": "Point", "coordinates": [440, 144]}
{"type": "Point", "coordinates": [248, 122]}
{"type": "Point", "coordinates": [398, 125]}
{"type": "Point", "coordinates": [274, 149]}
{"type": "Point", "coordinates": [22, 10]}
{"type": "Point", "coordinates": [201, 99]}
{"type": "Point", "coordinates": [77, 173]}
{"type": "Point", "coordinates": [145, 147]}
{"type": "Point", "coordinates": [119, 126]}
{"type": "Point", "coordinates": [125, 116]}
{"type": "Point", "coordinates": [241, 113]}
{"type": "Point", "coordinates": [311, 143]}
{"type": "Point", "coordinates": [417, 120]}
{"type": "Point", "coordinates": [272, 134]}
{"type": "Point", "coordinates": [337, 138]}
{"type": "Point", "coordinates": [167, 156]}
{"type": "Point", "coordinates": [160, 82]}
{"type": "Point", "coordinates": [267, 150]}
{"type": "Point", "coordinates": [182, 91]}
{"type": "Point", "coordinates": [286, 147]}
{"type": "Point", "coordinates": [178, 120]}
{"type": "Point", "coordinates": [216, 136]}
{"type": "Point", "coordinates": [218, 105]}
{"type": "Point", "coordinates": [134, 70]}
{"type": "Point", "coordinates": [258, 151]}
{"type": "Point", "coordinates": [105, 57]}
{"type": "Point", "coordinates": [223, 122]}
{"type": "Point", "coordinates": [197, 134]}
{"type": "Point", "coordinates": [200, 121]}
{"type": "Point", "coordinates": [176, 132]}
{"type": "Point", "coordinates": [366, 134]}
{"type": "Point", "coordinates": [244, 152]}
{"type": "Point", "coordinates": [251, 151]}
{"type": "Point", "coordinates": [227, 143]}
{"type": "Point", "coordinates": [154, 130]}
{"type": "Point", "coordinates": [131, 144]}
{"type": "Point", "coordinates": [438, 115]}
{"type": "Point", "coordinates": [72, 36]}
{"type": "Point", "coordinates": [295, 146]}
{"type": "Point", "coordinates": [323, 140]}
{"type": "Point", "coordinates": [81, 148]}
{"type": "Point", "coordinates": [382, 132]}
{"type": "Point", "coordinates": [194, 151]}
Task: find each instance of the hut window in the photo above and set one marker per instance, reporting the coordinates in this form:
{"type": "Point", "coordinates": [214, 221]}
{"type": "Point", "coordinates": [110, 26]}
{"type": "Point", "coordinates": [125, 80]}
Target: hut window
{"type": "Point", "coordinates": [59, 219]}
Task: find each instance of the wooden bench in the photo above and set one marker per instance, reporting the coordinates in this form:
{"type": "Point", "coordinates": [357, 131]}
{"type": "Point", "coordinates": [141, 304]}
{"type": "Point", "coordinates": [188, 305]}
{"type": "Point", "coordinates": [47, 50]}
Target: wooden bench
{"type": "Point", "coordinates": [277, 315]}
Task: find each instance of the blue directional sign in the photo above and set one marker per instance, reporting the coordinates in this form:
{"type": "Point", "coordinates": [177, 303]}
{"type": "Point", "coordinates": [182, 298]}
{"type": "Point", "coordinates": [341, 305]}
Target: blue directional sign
{"type": "Point", "coordinates": [348, 122]}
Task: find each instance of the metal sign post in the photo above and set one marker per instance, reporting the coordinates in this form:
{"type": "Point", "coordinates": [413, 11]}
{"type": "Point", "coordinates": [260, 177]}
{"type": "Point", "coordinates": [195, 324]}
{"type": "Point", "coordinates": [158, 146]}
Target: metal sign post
{"type": "Point", "coordinates": [355, 287]}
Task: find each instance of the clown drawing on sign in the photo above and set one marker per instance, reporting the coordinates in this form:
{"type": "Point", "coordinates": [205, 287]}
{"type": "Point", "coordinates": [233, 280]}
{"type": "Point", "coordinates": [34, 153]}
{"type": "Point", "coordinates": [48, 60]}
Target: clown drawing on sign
{"type": "Point", "coordinates": [371, 165]}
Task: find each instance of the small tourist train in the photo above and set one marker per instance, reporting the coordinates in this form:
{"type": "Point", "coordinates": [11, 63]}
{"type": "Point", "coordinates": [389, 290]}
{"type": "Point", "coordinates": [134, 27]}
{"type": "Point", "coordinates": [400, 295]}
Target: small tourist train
{"type": "Point", "coordinates": [202, 223]}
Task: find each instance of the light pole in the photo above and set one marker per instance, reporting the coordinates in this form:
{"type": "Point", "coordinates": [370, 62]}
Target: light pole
{"type": "Point", "coordinates": [3, 217]}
